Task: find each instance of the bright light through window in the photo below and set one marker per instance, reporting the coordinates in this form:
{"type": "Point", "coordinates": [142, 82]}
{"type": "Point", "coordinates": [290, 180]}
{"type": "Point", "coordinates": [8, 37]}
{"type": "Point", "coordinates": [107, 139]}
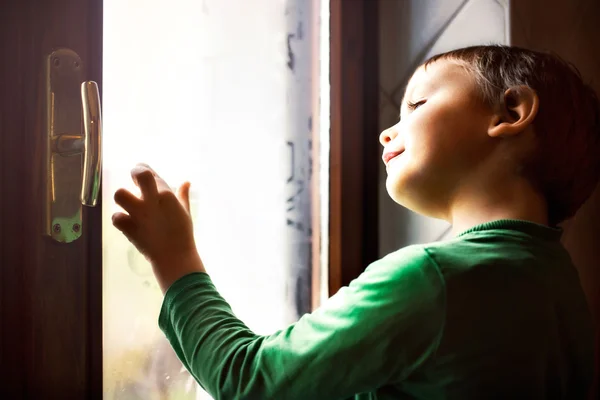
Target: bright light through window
{"type": "Point", "coordinates": [221, 93]}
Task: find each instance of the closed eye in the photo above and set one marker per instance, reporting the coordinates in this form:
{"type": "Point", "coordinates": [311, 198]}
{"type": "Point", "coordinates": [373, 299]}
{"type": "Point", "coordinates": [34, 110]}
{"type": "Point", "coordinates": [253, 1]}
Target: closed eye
{"type": "Point", "coordinates": [413, 106]}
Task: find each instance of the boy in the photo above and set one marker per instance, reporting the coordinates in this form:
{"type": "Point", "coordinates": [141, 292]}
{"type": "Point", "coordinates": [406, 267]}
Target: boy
{"type": "Point", "coordinates": [500, 141]}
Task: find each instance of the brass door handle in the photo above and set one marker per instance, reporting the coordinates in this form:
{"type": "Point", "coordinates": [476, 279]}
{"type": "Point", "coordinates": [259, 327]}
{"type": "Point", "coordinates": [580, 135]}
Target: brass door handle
{"type": "Point", "coordinates": [92, 159]}
{"type": "Point", "coordinates": [73, 129]}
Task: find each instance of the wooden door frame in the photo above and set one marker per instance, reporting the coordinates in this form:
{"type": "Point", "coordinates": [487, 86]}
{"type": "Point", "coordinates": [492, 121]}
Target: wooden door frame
{"type": "Point", "coordinates": [354, 145]}
{"type": "Point", "coordinates": [50, 293]}
{"type": "Point", "coordinates": [95, 253]}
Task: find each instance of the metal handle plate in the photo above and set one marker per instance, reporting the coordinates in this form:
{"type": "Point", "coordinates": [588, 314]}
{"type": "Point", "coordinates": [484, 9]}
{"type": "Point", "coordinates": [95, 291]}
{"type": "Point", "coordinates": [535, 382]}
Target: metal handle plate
{"type": "Point", "coordinates": [73, 158]}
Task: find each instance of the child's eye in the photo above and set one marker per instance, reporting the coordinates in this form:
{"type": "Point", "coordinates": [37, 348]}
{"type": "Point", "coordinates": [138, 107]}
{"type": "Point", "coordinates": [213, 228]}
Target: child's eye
{"type": "Point", "coordinates": [414, 106]}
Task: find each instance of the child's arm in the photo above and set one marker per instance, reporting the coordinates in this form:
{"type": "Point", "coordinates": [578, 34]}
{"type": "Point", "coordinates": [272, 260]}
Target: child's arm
{"type": "Point", "coordinates": [373, 333]}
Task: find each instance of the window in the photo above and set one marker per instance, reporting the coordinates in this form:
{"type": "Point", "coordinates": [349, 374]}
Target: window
{"type": "Point", "coordinates": [224, 94]}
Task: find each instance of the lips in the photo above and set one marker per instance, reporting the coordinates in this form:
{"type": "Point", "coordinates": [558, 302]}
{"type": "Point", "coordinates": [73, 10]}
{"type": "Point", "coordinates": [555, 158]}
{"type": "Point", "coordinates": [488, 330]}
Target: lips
{"type": "Point", "coordinates": [387, 156]}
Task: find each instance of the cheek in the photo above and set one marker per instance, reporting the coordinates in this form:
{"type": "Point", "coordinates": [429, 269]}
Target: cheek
{"type": "Point", "coordinates": [438, 137]}
{"type": "Point", "coordinates": [423, 138]}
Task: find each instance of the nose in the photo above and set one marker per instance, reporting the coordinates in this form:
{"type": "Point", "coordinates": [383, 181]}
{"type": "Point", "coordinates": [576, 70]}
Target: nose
{"type": "Point", "coordinates": [388, 135]}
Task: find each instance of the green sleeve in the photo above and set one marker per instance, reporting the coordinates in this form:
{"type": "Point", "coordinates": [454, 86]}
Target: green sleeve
{"type": "Point", "coordinates": [372, 333]}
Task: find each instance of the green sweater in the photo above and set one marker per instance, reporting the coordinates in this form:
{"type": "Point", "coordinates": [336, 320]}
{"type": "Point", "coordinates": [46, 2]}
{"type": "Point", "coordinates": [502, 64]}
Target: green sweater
{"type": "Point", "coordinates": [497, 312]}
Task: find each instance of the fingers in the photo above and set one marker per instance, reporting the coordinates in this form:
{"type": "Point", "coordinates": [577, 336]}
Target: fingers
{"type": "Point", "coordinates": [144, 178]}
{"type": "Point", "coordinates": [144, 175]}
{"type": "Point", "coordinates": [150, 185]}
{"type": "Point", "coordinates": [183, 194]}
{"type": "Point", "coordinates": [161, 184]}
{"type": "Point", "coordinates": [124, 223]}
{"type": "Point", "coordinates": [128, 201]}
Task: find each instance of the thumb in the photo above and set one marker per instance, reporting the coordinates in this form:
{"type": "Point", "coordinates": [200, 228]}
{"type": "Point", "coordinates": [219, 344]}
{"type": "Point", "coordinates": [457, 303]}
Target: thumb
{"type": "Point", "coordinates": [183, 194]}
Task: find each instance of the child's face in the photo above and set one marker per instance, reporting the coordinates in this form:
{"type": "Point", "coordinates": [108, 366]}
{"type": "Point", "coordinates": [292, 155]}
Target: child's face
{"type": "Point", "coordinates": [441, 140]}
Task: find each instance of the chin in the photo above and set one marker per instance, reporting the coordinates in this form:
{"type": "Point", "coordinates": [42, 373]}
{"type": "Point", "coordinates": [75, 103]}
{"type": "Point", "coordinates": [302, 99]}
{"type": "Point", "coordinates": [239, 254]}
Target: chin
{"type": "Point", "coordinates": [405, 194]}
{"type": "Point", "coordinates": [397, 191]}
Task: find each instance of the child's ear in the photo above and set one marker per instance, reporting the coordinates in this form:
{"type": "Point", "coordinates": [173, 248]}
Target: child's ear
{"type": "Point", "coordinates": [517, 112]}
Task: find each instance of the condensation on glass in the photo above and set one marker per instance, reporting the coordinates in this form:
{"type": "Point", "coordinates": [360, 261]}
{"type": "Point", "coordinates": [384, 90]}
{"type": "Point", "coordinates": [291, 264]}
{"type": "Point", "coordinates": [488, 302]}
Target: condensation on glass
{"type": "Point", "coordinates": [219, 93]}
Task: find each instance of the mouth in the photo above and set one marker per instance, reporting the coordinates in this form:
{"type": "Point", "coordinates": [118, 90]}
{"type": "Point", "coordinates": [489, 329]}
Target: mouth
{"type": "Point", "coordinates": [388, 156]}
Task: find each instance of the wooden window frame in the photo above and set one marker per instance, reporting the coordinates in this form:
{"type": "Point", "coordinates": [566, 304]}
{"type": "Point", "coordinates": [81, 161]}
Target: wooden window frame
{"type": "Point", "coordinates": [354, 145]}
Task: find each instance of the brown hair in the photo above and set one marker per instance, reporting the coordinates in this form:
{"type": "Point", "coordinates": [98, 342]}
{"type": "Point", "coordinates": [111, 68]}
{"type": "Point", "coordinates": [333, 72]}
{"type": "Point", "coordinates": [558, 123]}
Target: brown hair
{"type": "Point", "coordinates": [565, 166]}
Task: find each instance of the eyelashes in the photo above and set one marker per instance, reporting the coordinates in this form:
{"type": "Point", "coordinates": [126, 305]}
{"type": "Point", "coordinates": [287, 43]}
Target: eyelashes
{"type": "Point", "coordinates": [414, 106]}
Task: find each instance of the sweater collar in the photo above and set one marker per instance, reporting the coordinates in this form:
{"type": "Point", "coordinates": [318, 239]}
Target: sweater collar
{"type": "Point", "coordinates": [527, 227]}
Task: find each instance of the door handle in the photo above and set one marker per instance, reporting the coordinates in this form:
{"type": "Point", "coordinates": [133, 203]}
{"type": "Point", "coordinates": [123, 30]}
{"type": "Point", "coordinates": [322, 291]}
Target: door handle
{"type": "Point", "coordinates": [73, 156]}
{"type": "Point", "coordinates": [92, 159]}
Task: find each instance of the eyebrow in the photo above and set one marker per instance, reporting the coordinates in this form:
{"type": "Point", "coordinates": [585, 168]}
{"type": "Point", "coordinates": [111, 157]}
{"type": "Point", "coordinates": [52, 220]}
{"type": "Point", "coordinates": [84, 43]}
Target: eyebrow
{"type": "Point", "coordinates": [402, 101]}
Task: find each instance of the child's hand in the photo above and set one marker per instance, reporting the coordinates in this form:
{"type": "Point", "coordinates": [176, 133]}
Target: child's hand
{"type": "Point", "coordinates": [159, 225]}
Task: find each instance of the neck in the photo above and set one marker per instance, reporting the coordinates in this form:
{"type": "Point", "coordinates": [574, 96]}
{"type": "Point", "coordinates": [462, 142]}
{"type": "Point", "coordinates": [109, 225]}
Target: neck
{"type": "Point", "coordinates": [510, 198]}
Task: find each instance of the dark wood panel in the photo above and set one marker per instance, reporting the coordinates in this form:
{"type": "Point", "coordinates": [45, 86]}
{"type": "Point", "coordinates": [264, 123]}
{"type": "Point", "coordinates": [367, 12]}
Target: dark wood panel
{"type": "Point", "coordinates": [50, 304]}
{"type": "Point", "coordinates": [354, 157]}
{"type": "Point", "coordinates": [94, 222]}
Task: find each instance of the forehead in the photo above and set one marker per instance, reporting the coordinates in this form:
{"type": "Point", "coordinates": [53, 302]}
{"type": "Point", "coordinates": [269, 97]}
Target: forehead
{"type": "Point", "coordinates": [438, 73]}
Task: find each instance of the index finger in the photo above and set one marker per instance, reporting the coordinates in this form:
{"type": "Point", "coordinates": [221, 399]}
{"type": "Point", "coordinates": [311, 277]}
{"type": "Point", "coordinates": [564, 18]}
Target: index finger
{"type": "Point", "coordinates": [160, 183]}
{"type": "Point", "coordinates": [144, 178]}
